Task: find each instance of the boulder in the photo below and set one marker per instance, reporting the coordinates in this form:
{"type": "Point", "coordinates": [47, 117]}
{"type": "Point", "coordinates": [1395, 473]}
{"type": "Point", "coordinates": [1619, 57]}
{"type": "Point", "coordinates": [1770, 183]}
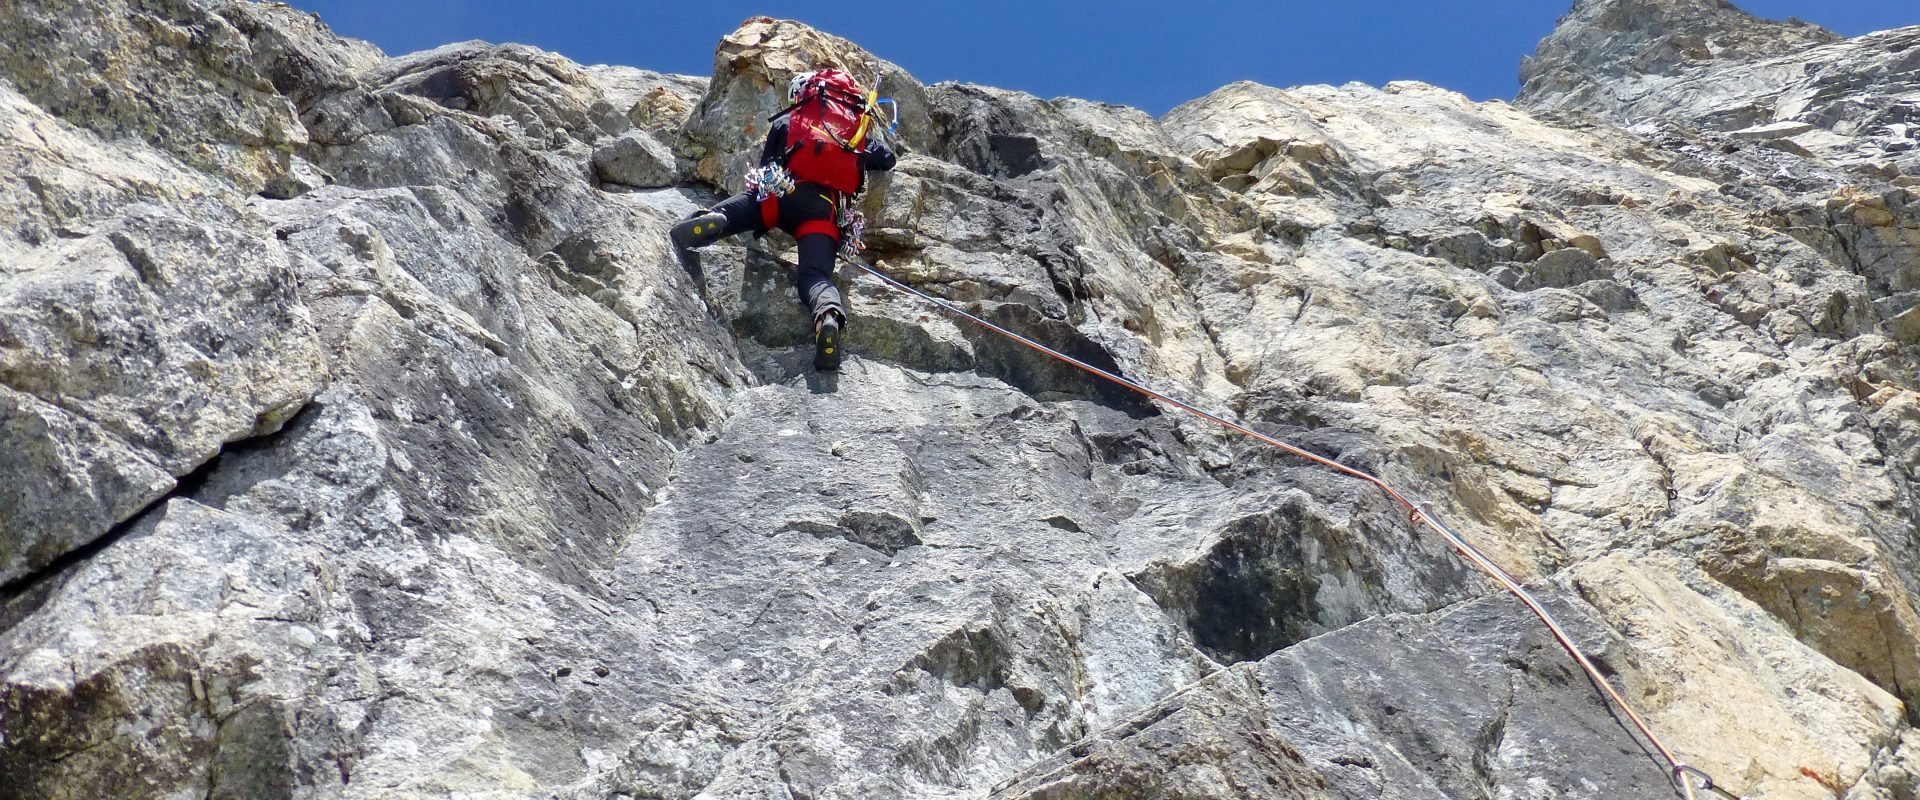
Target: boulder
{"type": "Point", "coordinates": [636, 159]}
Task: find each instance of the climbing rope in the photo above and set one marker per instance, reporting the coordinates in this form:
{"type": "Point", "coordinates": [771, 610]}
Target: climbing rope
{"type": "Point", "coordinates": [1683, 776]}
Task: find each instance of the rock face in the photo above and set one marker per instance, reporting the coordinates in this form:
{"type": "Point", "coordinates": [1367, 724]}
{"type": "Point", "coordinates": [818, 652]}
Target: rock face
{"type": "Point", "coordinates": [362, 438]}
{"type": "Point", "coordinates": [1606, 53]}
{"type": "Point", "coordinates": [1791, 86]}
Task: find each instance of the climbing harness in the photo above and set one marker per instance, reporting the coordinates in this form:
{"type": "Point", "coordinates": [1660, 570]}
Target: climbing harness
{"type": "Point", "coordinates": [1682, 775]}
{"type": "Point", "coordinates": [770, 180]}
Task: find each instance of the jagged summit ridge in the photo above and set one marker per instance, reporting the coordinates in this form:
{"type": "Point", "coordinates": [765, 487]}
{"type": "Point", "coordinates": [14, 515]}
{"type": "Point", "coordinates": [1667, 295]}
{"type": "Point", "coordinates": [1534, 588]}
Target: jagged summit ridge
{"type": "Point", "coordinates": [1848, 102]}
{"type": "Point", "coordinates": [1591, 59]}
{"type": "Point", "coordinates": [413, 465]}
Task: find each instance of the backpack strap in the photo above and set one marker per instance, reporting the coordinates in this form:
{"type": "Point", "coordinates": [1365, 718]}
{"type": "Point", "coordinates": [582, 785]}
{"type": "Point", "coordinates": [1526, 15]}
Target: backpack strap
{"type": "Point", "coordinates": [835, 95]}
{"type": "Point", "coordinates": [847, 99]}
{"type": "Point", "coordinates": [844, 144]}
{"type": "Point", "coordinates": [791, 107]}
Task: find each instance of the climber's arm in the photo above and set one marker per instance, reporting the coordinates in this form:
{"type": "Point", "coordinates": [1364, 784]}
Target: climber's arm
{"type": "Point", "coordinates": [877, 157]}
{"type": "Point", "coordinates": [775, 149]}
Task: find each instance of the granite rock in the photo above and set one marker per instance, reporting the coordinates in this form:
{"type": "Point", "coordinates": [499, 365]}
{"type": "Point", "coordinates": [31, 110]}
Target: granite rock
{"type": "Point", "coordinates": [371, 442]}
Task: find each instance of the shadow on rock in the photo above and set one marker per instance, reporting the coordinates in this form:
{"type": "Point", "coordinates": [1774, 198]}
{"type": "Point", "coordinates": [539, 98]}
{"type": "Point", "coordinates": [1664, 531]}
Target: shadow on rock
{"type": "Point", "coordinates": [823, 382]}
{"type": "Point", "coordinates": [1045, 377]}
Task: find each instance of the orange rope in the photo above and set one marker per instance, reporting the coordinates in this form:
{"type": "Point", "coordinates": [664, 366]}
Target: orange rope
{"type": "Point", "coordinates": [1682, 774]}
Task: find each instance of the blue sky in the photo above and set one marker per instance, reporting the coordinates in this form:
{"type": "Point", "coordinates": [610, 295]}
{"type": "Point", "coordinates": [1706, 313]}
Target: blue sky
{"type": "Point", "coordinates": [1153, 55]}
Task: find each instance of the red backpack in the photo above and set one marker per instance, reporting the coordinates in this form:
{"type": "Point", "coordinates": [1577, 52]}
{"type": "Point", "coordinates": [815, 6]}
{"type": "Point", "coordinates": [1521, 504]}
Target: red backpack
{"type": "Point", "coordinates": [825, 131]}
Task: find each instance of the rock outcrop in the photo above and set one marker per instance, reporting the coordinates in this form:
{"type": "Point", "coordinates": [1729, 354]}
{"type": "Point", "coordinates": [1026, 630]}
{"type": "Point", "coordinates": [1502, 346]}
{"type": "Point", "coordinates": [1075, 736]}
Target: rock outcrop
{"type": "Point", "coordinates": [1787, 86]}
{"type": "Point", "coordinates": [1609, 53]}
{"type": "Point", "coordinates": [362, 438]}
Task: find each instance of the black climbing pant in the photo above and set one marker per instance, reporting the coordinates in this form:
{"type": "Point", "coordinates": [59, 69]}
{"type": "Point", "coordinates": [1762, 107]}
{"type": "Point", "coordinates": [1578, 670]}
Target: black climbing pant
{"type": "Point", "coordinates": [806, 212]}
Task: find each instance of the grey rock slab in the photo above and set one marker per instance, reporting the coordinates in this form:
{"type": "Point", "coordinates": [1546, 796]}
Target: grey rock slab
{"type": "Point", "coordinates": [1602, 48]}
{"type": "Point", "coordinates": [547, 98]}
{"type": "Point", "coordinates": [557, 516]}
{"type": "Point", "coordinates": [635, 158]}
{"type": "Point", "coordinates": [1776, 130]}
{"type": "Point", "coordinates": [1722, 69]}
{"type": "Point", "coordinates": [1287, 570]}
{"type": "Point", "coordinates": [1475, 697]}
{"type": "Point", "coordinates": [69, 181]}
{"type": "Point", "coordinates": [956, 626]}
{"type": "Point", "coordinates": [651, 100]}
{"type": "Point", "coordinates": [209, 716]}
{"type": "Point", "coordinates": [1210, 740]}
{"type": "Point", "coordinates": [301, 177]}
{"type": "Point", "coordinates": [70, 482]}
{"type": "Point", "coordinates": [1562, 269]}
{"type": "Point", "coordinates": [226, 116]}
{"type": "Point", "coordinates": [123, 325]}
{"type": "Point", "coordinates": [145, 346]}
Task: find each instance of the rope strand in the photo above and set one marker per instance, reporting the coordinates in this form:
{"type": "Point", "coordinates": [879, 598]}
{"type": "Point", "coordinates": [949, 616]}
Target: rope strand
{"type": "Point", "coordinates": [1682, 775]}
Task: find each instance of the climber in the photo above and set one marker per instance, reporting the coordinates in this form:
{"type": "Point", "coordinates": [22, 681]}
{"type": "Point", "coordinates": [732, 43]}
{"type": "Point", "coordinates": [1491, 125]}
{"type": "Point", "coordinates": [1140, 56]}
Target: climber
{"type": "Point", "coordinates": [812, 168]}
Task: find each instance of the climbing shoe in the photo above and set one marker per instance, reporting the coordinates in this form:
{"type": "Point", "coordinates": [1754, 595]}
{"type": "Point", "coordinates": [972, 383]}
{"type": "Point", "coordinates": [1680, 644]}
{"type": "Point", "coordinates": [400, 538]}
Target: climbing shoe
{"type": "Point", "coordinates": [826, 342]}
{"type": "Point", "coordinates": [703, 229]}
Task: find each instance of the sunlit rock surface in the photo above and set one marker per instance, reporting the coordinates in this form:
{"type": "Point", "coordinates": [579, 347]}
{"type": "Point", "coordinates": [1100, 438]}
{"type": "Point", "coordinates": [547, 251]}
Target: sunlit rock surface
{"type": "Point", "coordinates": [360, 437]}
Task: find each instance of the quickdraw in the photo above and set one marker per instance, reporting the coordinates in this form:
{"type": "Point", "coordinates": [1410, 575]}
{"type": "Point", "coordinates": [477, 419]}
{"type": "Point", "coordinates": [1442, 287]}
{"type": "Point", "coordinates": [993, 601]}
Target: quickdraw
{"type": "Point", "coordinates": [853, 231]}
{"type": "Point", "coordinates": [874, 102]}
{"type": "Point", "coordinates": [893, 114]}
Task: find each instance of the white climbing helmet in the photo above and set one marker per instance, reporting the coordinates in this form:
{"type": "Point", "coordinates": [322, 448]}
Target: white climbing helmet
{"type": "Point", "coordinates": [798, 83]}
